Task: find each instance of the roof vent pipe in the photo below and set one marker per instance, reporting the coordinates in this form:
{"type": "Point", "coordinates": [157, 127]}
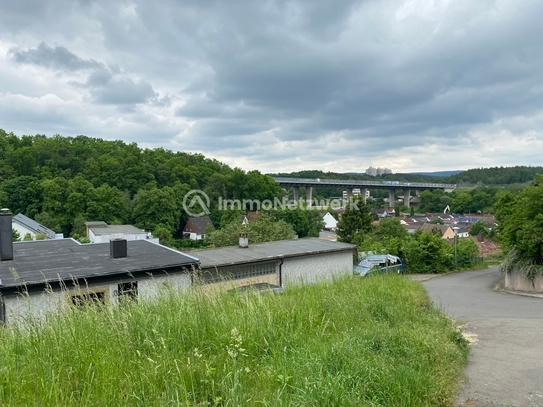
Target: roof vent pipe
{"type": "Point", "coordinates": [118, 248]}
{"type": "Point", "coordinates": [243, 240]}
{"type": "Point", "coordinates": [6, 235]}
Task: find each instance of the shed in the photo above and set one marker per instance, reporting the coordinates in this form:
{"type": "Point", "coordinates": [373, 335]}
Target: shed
{"type": "Point", "coordinates": [277, 263]}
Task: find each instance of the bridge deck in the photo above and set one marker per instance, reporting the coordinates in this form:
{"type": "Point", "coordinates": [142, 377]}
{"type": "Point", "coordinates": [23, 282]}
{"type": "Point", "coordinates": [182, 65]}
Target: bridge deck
{"type": "Point", "coordinates": [302, 182]}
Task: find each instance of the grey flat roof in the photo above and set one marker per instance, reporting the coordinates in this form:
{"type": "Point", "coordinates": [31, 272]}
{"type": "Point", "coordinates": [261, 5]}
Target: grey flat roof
{"type": "Point", "coordinates": [231, 255]}
{"type": "Point", "coordinates": [64, 259]}
{"type": "Point", "coordinates": [115, 229]}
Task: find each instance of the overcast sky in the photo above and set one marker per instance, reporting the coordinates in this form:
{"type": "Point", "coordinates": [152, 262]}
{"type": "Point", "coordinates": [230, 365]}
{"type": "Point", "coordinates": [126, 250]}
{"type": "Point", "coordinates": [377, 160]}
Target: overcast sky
{"type": "Point", "coordinates": [412, 85]}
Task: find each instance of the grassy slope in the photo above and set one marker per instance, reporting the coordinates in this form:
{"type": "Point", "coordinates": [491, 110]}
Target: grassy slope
{"type": "Point", "coordinates": [354, 342]}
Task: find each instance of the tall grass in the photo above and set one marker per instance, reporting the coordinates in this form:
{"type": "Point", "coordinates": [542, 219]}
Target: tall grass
{"type": "Point", "coordinates": [352, 342]}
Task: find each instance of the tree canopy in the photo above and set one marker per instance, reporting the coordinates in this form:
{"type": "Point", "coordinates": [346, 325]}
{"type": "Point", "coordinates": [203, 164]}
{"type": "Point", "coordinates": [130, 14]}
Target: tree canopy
{"type": "Point", "coordinates": [65, 181]}
{"type": "Point", "coordinates": [521, 222]}
{"type": "Point", "coordinates": [264, 227]}
{"type": "Point", "coordinates": [355, 222]}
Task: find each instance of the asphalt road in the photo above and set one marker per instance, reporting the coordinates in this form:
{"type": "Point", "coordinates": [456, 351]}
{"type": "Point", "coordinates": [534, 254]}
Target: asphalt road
{"type": "Point", "coordinates": [505, 367]}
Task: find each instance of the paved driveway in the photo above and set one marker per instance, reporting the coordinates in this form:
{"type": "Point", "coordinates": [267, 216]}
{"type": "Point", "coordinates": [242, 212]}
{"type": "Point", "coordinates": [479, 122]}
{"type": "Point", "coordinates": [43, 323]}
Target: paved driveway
{"type": "Point", "coordinates": [506, 361]}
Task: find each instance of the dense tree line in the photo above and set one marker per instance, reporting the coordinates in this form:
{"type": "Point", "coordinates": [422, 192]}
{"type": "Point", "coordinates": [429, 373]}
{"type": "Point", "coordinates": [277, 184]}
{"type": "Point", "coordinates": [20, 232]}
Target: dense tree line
{"type": "Point", "coordinates": [520, 218]}
{"type": "Point", "coordinates": [462, 200]}
{"type": "Point", "coordinates": [64, 181]}
{"type": "Point", "coordinates": [422, 252]}
{"type": "Point", "coordinates": [477, 176]}
{"type": "Point", "coordinates": [496, 175]}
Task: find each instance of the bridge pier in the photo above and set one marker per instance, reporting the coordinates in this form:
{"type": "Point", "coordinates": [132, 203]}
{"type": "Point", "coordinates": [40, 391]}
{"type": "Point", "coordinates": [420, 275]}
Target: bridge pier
{"type": "Point", "coordinates": [391, 197]}
{"type": "Point", "coordinates": [364, 192]}
{"type": "Point", "coordinates": [349, 194]}
{"type": "Point", "coordinates": [309, 196]}
{"type": "Point", "coordinates": [391, 186]}
{"type": "Point", "coordinates": [406, 197]}
{"type": "Point", "coordinates": [296, 192]}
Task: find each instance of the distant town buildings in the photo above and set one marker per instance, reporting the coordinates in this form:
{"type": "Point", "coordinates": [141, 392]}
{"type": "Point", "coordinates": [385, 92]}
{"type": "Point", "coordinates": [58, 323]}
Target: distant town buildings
{"type": "Point", "coordinates": [356, 192]}
{"type": "Point", "coordinates": [374, 172]}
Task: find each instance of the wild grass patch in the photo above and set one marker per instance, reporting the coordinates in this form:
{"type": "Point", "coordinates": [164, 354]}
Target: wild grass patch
{"type": "Point", "coordinates": [351, 342]}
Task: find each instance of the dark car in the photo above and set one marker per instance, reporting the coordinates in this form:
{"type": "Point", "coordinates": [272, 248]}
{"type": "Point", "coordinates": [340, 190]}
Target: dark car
{"type": "Point", "coordinates": [379, 263]}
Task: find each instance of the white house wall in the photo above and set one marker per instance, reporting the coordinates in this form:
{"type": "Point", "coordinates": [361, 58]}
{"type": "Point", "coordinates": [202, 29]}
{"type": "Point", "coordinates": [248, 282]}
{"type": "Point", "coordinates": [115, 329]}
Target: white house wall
{"type": "Point", "coordinates": [196, 236]}
{"type": "Point", "coordinates": [313, 268]}
{"type": "Point", "coordinates": [23, 231]}
{"type": "Point", "coordinates": [329, 221]}
{"type": "Point", "coordinates": [150, 287]}
{"type": "Point", "coordinates": [19, 307]}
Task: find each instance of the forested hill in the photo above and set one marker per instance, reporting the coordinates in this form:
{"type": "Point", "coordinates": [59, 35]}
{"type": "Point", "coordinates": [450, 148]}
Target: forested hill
{"type": "Point", "coordinates": [484, 176]}
{"type": "Point", "coordinates": [360, 176]}
{"type": "Point", "coordinates": [496, 175]}
{"type": "Point", "coordinates": [64, 181]}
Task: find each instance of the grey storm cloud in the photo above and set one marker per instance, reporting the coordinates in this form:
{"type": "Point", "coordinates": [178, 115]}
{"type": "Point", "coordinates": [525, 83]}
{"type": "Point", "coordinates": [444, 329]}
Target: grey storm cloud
{"type": "Point", "coordinates": [123, 91]}
{"type": "Point", "coordinates": [55, 58]}
{"type": "Point", "coordinates": [366, 77]}
{"type": "Point", "coordinates": [107, 85]}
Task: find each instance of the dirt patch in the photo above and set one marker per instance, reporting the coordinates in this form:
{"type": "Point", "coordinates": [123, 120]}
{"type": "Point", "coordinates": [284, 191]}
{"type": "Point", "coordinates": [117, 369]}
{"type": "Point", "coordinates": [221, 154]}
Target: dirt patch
{"type": "Point", "coordinates": [487, 247]}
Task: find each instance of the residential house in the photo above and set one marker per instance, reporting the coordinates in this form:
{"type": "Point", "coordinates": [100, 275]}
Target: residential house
{"type": "Point", "coordinates": [462, 229]}
{"type": "Point", "coordinates": [101, 232]}
{"type": "Point", "coordinates": [330, 223]}
{"type": "Point", "coordinates": [384, 212]}
{"type": "Point", "coordinates": [444, 231]}
{"type": "Point", "coordinates": [38, 277]}
{"type": "Point", "coordinates": [414, 201]}
{"type": "Point", "coordinates": [197, 228]}
{"type": "Point", "coordinates": [26, 226]}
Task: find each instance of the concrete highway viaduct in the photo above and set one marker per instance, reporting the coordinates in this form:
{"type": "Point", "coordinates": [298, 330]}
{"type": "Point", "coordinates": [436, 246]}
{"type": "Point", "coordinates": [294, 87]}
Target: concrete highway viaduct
{"type": "Point", "coordinates": [349, 185]}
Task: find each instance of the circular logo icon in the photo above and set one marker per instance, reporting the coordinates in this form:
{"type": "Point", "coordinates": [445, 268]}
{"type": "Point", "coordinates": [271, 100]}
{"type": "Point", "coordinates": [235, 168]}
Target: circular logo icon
{"type": "Point", "coordinates": [196, 203]}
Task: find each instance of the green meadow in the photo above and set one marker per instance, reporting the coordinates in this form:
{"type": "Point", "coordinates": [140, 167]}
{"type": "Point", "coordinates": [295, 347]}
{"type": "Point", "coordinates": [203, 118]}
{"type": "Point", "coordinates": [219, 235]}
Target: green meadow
{"type": "Point", "coordinates": [351, 342]}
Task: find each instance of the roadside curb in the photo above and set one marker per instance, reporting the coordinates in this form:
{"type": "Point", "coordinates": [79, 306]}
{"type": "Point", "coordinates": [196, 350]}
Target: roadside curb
{"type": "Point", "coordinates": [424, 277]}
{"type": "Point", "coordinates": [500, 287]}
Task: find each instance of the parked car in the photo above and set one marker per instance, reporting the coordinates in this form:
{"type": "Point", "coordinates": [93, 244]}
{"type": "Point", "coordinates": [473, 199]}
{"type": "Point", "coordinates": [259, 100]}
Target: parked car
{"type": "Point", "coordinates": [379, 263]}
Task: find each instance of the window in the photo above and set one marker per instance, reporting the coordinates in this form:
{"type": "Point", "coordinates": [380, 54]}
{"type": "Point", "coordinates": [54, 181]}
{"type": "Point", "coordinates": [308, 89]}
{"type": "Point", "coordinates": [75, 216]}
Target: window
{"type": "Point", "coordinates": [239, 272]}
{"type": "Point", "coordinates": [88, 298]}
{"type": "Point", "coordinates": [128, 290]}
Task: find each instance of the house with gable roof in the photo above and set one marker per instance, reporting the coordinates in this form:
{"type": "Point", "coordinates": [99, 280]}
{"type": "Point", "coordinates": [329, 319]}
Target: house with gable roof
{"type": "Point", "coordinates": [196, 228]}
{"type": "Point", "coordinates": [24, 225]}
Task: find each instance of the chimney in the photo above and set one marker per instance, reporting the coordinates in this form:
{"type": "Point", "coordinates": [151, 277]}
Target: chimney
{"type": "Point", "coordinates": [243, 240]}
{"type": "Point", "coordinates": [6, 239]}
{"type": "Point", "coordinates": [118, 248]}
